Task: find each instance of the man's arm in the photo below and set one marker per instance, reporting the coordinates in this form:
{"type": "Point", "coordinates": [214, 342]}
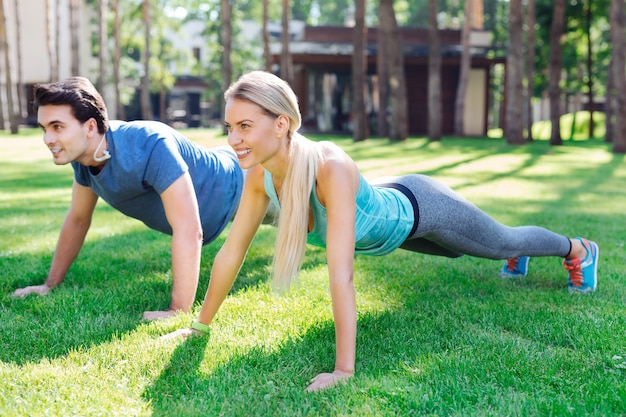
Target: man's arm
{"type": "Point", "coordinates": [181, 210]}
{"type": "Point", "coordinates": [71, 239]}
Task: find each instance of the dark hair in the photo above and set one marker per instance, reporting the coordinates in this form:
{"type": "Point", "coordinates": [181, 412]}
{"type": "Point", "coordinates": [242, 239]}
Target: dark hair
{"type": "Point", "coordinates": [78, 93]}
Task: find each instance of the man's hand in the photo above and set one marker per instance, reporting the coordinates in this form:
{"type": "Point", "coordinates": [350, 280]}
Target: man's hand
{"type": "Point", "coordinates": [327, 380]}
{"type": "Point", "coordinates": [33, 289]}
{"type": "Point", "coordinates": [158, 315]}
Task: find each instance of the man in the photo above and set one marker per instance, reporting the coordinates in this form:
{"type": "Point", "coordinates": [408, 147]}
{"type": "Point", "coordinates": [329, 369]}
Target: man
{"type": "Point", "coordinates": [144, 169]}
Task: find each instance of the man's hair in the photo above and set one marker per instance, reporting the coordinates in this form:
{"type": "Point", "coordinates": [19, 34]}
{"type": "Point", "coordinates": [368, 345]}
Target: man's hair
{"type": "Point", "coordinates": [78, 93]}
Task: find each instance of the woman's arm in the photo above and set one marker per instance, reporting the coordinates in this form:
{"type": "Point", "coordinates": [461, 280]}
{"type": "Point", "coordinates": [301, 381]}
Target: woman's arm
{"type": "Point", "coordinates": [229, 259]}
{"type": "Point", "coordinates": [252, 208]}
{"type": "Point", "coordinates": [337, 185]}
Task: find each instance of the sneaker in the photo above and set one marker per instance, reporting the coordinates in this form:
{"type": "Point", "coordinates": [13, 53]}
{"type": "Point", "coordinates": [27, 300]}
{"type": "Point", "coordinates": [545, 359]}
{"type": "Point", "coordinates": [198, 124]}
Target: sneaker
{"type": "Point", "coordinates": [515, 267]}
{"type": "Point", "coordinates": [583, 273]}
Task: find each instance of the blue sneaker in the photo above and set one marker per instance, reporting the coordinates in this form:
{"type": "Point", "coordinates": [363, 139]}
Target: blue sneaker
{"type": "Point", "coordinates": [583, 273]}
{"type": "Point", "coordinates": [515, 267]}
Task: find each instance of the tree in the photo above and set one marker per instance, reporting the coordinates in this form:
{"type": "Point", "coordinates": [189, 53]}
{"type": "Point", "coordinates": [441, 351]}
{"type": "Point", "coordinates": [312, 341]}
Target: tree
{"type": "Point", "coordinates": [399, 126]}
{"type": "Point", "coordinates": [609, 105]}
{"type": "Point", "coordinates": [267, 54]}
{"type": "Point", "coordinates": [530, 68]}
{"type": "Point", "coordinates": [514, 83]}
{"type": "Point", "coordinates": [226, 42]}
{"type": "Point", "coordinates": [286, 65]}
{"type": "Point", "coordinates": [19, 85]}
{"type": "Point", "coordinates": [589, 67]}
{"type": "Point", "coordinates": [2, 119]}
{"type": "Point", "coordinates": [103, 49]}
{"type": "Point", "coordinates": [382, 73]}
{"type": "Point", "coordinates": [434, 74]}
{"type": "Point", "coordinates": [51, 39]}
{"type": "Point", "coordinates": [359, 63]}
{"type": "Point", "coordinates": [119, 108]}
{"type": "Point", "coordinates": [554, 90]}
{"type": "Point", "coordinates": [163, 55]}
{"type": "Point", "coordinates": [7, 70]}
{"type": "Point", "coordinates": [619, 75]}
{"type": "Point", "coordinates": [146, 106]}
{"type": "Point", "coordinates": [461, 91]}
{"type": "Point", "coordinates": [74, 13]}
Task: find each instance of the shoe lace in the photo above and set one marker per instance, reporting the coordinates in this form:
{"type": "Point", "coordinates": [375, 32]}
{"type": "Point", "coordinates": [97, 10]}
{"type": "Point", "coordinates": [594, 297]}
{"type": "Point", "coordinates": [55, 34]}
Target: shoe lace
{"type": "Point", "coordinates": [575, 271]}
{"type": "Point", "coordinates": [511, 263]}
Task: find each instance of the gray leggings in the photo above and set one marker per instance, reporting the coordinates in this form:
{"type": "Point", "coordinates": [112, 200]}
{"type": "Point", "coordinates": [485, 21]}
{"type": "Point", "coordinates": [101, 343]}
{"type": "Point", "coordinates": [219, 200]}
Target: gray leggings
{"type": "Point", "coordinates": [449, 225]}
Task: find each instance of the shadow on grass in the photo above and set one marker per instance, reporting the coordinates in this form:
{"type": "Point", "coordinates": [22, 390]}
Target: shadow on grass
{"type": "Point", "coordinates": [99, 301]}
{"type": "Point", "coordinates": [107, 289]}
{"type": "Point", "coordinates": [178, 390]}
{"type": "Point", "coordinates": [428, 357]}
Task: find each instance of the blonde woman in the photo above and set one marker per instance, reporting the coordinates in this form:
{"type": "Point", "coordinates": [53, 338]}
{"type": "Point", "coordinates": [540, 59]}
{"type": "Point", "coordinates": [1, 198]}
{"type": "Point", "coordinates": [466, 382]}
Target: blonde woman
{"type": "Point", "coordinates": [323, 199]}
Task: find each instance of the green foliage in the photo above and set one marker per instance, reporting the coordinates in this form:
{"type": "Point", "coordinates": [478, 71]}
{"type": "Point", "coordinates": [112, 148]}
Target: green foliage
{"type": "Point", "coordinates": [436, 336]}
{"type": "Point", "coordinates": [580, 122]}
{"type": "Point", "coordinates": [573, 126]}
{"type": "Point", "coordinates": [574, 46]}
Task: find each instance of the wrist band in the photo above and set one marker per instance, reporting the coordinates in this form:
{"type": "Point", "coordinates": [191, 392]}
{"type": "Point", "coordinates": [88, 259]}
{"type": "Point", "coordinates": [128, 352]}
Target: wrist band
{"type": "Point", "coordinates": [201, 327]}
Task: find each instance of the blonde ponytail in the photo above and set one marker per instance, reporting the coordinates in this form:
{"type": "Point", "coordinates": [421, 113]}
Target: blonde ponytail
{"type": "Point", "coordinates": [276, 98]}
{"type": "Point", "coordinates": [293, 221]}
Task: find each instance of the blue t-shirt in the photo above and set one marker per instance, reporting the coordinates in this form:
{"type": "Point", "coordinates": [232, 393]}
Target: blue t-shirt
{"type": "Point", "coordinates": [146, 158]}
{"type": "Point", "coordinates": [384, 217]}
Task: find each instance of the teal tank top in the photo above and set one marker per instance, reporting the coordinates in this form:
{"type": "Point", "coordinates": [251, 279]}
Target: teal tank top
{"type": "Point", "coordinates": [384, 217]}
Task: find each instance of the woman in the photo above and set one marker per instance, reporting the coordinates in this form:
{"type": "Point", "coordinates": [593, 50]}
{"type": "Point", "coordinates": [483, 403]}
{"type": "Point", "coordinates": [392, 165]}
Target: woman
{"type": "Point", "coordinates": [323, 198]}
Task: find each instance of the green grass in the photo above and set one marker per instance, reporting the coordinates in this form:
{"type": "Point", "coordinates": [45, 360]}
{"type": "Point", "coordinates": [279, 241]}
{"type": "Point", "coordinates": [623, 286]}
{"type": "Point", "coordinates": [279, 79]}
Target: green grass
{"type": "Point", "coordinates": [436, 336]}
{"type": "Point", "coordinates": [574, 126]}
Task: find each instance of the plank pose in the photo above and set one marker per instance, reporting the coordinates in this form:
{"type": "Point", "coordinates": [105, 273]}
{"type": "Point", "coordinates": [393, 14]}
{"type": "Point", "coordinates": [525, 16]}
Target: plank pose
{"type": "Point", "coordinates": [323, 199]}
{"type": "Point", "coordinates": [144, 169]}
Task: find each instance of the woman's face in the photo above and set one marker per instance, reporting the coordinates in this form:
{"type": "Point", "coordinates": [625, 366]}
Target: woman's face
{"type": "Point", "coordinates": [255, 136]}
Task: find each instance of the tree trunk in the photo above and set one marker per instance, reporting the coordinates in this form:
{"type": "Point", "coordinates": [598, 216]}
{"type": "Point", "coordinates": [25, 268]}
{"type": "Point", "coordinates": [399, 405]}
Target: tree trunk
{"type": "Point", "coordinates": [146, 106]}
{"type": "Point", "coordinates": [51, 40]}
{"type": "Point", "coordinates": [590, 101]}
{"type": "Point", "coordinates": [434, 74]}
{"type": "Point", "coordinates": [57, 37]}
{"type": "Point", "coordinates": [103, 41]}
{"type": "Point", "coordinates": [514, 84]}
{"type": "Point", "coordinates": [163, 103]}
{"type": "Point", "coordinates": [266, 38]}
{"type": "Point", "coordinates": [19, 85]}
{"type": "Point", "coordinates": [119, 108]}
{"type": "Point", "coordinates": [2, 118]}
{"type": "Point", "coordinates": [554, 90]}
{"type": "Point", "coordinates": [7, 71]}
{"type": "Point", "coordinates": [359, 70]}
{"type": "Point", "coordinates": [286, 64]}
{"type": "Point", "coordinates": [461, 91]}
{"type": "Point", "coordinates": [226, 34]}
{"type": "Point", "coordinates": [399, 126]}
{"type": "Point", "coordinates": [530, 69]}
{"type": "Point", "coordinates": [609, 104]}
{"type": "Point", "coordinates": [74, 13]}
{"type": "Point", "coordinates": [382, 74]}
{"type": "Point", "coordinates": [619, 75]}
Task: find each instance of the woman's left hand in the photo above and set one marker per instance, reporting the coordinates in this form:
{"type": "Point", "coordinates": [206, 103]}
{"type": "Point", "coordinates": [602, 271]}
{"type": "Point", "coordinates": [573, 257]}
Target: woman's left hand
{"type": "Point", "coordinates": [327, 380]}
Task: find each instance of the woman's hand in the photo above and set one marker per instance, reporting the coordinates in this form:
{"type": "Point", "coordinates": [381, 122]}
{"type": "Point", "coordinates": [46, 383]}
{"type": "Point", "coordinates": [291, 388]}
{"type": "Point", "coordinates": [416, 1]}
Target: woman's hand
{"type": "Point", "coordinates": [180, 334]}
{"type": "Point", "coordinates": [327, 380]}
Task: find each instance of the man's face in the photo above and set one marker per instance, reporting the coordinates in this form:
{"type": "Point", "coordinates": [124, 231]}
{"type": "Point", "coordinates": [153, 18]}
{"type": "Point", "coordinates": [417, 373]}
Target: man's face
{"type": "Point", "coordinates": [63, 134]}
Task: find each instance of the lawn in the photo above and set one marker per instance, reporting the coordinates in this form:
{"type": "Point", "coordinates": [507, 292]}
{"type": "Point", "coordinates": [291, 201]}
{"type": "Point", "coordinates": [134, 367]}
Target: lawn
{"type": "Point", "coordinates": [436, 336]}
